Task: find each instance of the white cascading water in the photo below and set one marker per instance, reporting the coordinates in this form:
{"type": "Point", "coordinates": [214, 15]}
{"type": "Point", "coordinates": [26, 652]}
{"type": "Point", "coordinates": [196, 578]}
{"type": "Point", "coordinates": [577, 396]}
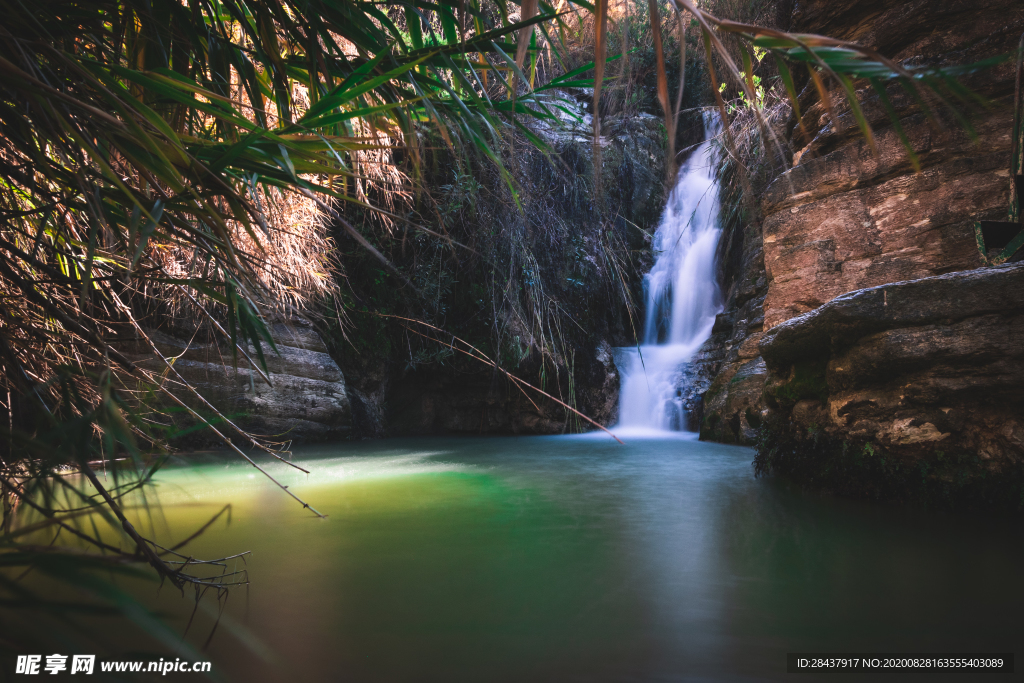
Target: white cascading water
{"type": "Point", "coordinates": [682, 298]}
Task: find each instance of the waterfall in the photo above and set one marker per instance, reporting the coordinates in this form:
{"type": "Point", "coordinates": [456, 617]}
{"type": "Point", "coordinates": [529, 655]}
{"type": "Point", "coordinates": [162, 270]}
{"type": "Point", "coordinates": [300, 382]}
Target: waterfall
{"type": "Point", "coordinates": [682, 298]}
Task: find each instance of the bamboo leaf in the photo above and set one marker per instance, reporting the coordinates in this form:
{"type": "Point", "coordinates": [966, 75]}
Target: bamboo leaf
{"type": "Point", "coordinates": [787, 80]}
{"type": "Point", "coordinates": [883, 96]}
{"type": "Point", "coordinates": [858, 114]}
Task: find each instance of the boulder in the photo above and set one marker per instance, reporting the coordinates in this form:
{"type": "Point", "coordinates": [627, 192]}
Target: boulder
{"type": "Point", "coordinates": [920, 369]}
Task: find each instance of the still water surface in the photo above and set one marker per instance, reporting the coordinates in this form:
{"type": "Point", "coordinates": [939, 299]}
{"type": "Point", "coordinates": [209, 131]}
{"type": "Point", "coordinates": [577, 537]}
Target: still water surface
{"type": "Point", "coordinates": [578, 559]}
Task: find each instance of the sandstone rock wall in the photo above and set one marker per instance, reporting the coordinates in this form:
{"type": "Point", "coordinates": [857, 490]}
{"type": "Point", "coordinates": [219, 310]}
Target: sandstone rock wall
{"type": "Point", "coordinates": [845, 218]}
{"type": "Point", "coordinates": [908, 391]}
{"type": "Point", "coordinates": [918, 367]}
{"type": "Point", "coordinates": [307, 400]}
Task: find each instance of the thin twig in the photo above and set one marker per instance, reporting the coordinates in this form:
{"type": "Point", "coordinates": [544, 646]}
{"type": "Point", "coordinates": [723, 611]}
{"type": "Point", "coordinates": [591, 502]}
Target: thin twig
{"type": "Point", "coordinates": [483, 358]}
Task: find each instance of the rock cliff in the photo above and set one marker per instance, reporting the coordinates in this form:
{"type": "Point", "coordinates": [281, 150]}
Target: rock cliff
{"type": "Point", "coordinates": [306, 400]}
{"type": "Point", "coordinates": [844, 219]}
{"type": "Point", "coordinates": [934, 363]}
{"type": "Point", "coordinates": [924, 375]}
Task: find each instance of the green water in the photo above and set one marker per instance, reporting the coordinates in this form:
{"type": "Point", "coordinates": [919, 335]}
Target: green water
{"type": "Point", "coordinates": [575, 559]}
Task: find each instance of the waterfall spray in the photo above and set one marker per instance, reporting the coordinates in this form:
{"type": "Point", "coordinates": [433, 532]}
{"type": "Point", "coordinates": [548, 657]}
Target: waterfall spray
{"type": "Point", "coordinates": [682, 297]}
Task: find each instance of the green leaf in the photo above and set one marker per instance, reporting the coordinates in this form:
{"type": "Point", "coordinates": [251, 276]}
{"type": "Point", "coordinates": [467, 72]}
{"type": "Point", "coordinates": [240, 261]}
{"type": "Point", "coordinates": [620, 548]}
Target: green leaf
{"type": "Point", "coordinates": [787, 81]}
{"type": "Point", "coordinates": [894, 118]}
{"type": "Point", "coordinates": [412, 21]}
{"type": "Point", "coordinates": [858, 114]}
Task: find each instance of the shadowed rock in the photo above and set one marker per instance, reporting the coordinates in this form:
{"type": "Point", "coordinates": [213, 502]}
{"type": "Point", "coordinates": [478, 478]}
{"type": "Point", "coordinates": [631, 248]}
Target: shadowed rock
{"type": "Point", "coordinates": [919, 367]}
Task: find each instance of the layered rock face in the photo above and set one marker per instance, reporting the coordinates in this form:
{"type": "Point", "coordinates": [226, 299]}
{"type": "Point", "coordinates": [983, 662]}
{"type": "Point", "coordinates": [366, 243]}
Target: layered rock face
{"type": "Point", "coordinates": [306, 401]}
{"type": "Point", "coordinates": [844, 218]}
{"type": "Point", "coordinates": [923, 369]}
